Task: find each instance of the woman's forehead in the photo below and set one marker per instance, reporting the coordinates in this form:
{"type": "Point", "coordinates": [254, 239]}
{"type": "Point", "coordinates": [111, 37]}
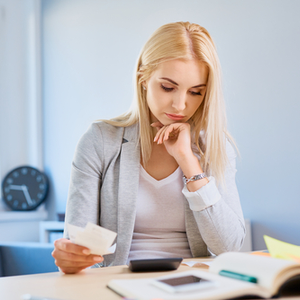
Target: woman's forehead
{"type": "Point", "coordinates": [193, 72]}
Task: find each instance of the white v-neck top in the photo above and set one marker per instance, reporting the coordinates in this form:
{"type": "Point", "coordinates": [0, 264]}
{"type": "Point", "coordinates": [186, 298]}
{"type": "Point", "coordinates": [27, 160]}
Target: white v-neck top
{"type": "Point", "coordinates": [160, 218]}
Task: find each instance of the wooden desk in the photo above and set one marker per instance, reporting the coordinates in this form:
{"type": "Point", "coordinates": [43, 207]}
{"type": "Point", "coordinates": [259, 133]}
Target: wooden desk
{"type": "Point", "coordinates": [89, 284]}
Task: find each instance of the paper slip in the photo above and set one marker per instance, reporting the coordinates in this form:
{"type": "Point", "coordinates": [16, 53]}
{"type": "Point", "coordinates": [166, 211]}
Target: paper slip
{"type": "Point", "coordinates": [196, 263]}
{"type": "Point", "coordinates": [98, 239]}
{"type": "Point", "coordinates": [279, 249]}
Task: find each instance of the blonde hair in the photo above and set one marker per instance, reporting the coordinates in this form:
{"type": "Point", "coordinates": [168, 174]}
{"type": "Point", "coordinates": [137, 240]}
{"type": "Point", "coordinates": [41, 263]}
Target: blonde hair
{"type": "Point", "coordinates": [183, 40]}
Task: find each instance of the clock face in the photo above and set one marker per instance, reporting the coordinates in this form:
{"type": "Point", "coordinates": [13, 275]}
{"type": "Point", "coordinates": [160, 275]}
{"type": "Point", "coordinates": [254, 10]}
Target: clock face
{"type": "Point", "coordinates": [24, 188]}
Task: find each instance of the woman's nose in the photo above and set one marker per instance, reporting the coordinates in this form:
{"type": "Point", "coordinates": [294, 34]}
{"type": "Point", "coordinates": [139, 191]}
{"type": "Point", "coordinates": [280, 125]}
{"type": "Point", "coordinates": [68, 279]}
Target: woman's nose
{"type": "Point", "coordinates": [179, 102]}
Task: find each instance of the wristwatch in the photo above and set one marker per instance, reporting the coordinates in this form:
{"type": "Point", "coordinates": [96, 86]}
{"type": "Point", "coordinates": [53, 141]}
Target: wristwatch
{"type": "Point", "coordinates": [194, 178]}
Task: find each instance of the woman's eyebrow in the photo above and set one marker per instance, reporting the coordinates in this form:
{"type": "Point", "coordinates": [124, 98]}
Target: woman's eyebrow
{"type": "Point", "coordinates": [165, 78]}
{"type": "Point", "coordinates": [199, 85]}
{"type": "Point", "coordinates": [172, 81]}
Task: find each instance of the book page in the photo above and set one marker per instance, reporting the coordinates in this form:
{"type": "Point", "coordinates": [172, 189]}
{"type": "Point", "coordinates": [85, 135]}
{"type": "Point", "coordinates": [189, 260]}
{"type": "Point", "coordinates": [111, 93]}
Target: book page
{"type": "Point", "coordinates": [267, 270]}
{"type": "Point", "coordinates": [225, 288]}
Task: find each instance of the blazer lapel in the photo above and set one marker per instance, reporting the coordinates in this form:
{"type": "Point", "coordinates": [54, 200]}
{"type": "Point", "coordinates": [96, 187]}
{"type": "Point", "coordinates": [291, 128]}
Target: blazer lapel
{"type": "Point", "coordinates": [128, 188]}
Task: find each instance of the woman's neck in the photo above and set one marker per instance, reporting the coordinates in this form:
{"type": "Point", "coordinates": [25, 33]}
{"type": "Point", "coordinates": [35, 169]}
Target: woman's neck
{"type": "Point", "coordinates": [161, 164]}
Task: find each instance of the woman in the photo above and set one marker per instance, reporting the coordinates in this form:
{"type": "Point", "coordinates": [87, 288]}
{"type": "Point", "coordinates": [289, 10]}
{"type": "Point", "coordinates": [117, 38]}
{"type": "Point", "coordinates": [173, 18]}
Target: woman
{"type": "Point", "coordinates": [127, 172]}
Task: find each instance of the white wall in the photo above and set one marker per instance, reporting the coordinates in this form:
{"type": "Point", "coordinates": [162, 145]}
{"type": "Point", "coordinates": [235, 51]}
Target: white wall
{"type": "Point", "coordinates": [89, 52]}
{"type": "Point", "coordinates": [20, 107]}
{"type": "Point", "coordinates": [90, 49]}
{"type": "Point", "coordinates": [20, 85]}
{"type": "Point", "coordinates": [13, 85]}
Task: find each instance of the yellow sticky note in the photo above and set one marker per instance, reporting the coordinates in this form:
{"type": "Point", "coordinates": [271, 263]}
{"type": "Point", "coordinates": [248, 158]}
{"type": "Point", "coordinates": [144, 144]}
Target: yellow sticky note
{"type": "Point", "coordinates": [279, 249]}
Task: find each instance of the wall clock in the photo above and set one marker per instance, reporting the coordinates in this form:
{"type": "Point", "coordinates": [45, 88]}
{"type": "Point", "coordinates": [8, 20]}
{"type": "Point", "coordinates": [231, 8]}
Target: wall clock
{"type": "Point", "coordinates": [25, 188]}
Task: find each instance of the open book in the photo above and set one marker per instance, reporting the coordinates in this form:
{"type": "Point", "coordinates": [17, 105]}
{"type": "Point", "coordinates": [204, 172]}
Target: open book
{"type": "Point", "coordinates": [273, 277]}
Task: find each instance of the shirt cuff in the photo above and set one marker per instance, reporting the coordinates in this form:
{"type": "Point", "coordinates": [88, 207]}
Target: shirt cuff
{"type": "Point", "coordinates": [206, 196]}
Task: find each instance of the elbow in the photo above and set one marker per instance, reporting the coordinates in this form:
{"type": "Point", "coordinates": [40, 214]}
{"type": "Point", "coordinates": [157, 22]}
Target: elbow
{"type": "Point", "coordinates": [232, 243]}
{"type": "Point", "coordinates": [237, 240]}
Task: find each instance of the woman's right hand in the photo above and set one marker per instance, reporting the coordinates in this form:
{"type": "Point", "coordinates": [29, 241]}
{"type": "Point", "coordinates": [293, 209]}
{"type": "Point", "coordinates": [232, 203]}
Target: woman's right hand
{"type": "Point", "coordinates": [72, 258]}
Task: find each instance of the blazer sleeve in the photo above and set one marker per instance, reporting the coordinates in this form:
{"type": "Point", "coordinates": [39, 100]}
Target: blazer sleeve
{"type": "Point", "coordinates": [83, 204]}
{"type": "Point", "coordinates": [218, 212]}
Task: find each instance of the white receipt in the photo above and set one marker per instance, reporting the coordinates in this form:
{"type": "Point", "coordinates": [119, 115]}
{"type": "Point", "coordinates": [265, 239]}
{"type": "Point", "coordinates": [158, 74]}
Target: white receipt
{"type": "Point", "coordinates": [196, 263]}
{"type": "Point", "coordinates": [98, 239]}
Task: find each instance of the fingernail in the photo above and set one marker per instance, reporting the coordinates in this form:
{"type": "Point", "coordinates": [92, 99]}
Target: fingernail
{"type": "Point", "coordinates": [85, 251]}
{"type": "Point", "coordinates": [97, 258]}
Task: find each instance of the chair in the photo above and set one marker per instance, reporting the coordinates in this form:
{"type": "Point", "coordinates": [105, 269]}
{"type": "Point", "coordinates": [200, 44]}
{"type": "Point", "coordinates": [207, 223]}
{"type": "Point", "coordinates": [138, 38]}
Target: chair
{"type": "Point", "coordinates": [26, 258]}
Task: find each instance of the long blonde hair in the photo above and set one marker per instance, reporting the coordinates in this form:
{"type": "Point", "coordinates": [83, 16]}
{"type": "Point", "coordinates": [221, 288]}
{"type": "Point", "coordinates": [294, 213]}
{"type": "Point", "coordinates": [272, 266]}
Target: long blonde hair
{"type": "Point", "coordinates": [183, 40]}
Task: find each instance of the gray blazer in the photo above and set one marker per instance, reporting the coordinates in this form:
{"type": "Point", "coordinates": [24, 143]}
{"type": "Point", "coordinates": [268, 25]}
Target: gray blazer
{"type": "Point", "coordinates": [104, 185]}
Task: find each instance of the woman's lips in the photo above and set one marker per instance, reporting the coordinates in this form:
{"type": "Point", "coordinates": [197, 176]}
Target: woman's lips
{"type": "Point", "coordinates": [175, 117]}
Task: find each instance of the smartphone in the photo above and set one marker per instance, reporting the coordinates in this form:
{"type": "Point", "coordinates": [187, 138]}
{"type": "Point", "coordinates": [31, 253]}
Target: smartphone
{"type": "Point", "coordinates": [183, 284]}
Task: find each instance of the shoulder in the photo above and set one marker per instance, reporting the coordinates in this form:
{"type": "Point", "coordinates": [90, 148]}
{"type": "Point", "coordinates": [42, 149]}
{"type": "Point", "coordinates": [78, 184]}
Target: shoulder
{"type": "Point", "coordinates": [114, 133]}
{"type": "Point", "coordinates": [105, 130]}
{"type": "Point", "coordinates": [100, 143]}
{"type": "Point", "coordinates": [101, 134]}
{"type": "Point", "coordinates": [230, 149]}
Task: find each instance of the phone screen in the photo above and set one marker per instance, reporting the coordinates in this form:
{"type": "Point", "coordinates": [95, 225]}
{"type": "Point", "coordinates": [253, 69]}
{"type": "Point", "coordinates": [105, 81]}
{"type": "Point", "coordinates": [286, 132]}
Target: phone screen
{"type": "Point", "coordinates": [183, 280]}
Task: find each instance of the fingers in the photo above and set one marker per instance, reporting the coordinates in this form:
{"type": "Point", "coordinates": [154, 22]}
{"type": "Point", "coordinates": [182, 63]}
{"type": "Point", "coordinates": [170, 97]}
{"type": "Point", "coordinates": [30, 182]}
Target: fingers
{"type": "Point", "coordinates": [163, 135]}
{"type": "Point", "coordinates": [157, 124]}
{"type": "Point", "coordinates": [171, 133]}
{"type": "Point", "coordinates": [67, 246]}
{"type": "Point", "coordinates": [70, 264]}
{"type": "Point", "coordinates": [166, 132]}
{"type": "Point", "coordinates": [72, 258]}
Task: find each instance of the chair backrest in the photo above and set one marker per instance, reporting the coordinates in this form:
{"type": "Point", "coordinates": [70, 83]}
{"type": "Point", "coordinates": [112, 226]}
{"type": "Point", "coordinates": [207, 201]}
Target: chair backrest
{"type": "Point", "coordinates": [26, 258]}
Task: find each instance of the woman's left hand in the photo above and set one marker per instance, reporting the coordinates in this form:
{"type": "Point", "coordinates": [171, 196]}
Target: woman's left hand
{"type": "Point", "coordinates": [176, 137]}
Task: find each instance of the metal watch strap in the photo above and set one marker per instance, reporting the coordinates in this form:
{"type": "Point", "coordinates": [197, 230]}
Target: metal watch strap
{"type": "Point", "coordinates": [194, 178]}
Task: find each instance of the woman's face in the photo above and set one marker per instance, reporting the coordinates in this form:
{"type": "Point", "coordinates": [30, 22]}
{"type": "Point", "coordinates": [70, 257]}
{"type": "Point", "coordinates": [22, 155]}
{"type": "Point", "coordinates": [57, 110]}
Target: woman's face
{"type": "Point", "coordinates": [175, 90]}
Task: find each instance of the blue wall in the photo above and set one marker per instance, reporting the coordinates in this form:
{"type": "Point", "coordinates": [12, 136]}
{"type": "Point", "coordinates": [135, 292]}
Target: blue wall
{"type": "Point", "coordinates": [89, 53]}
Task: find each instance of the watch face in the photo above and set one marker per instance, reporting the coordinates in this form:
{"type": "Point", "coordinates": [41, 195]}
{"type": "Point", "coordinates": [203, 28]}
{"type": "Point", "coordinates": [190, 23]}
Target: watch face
{"type": "Point", "coordinates": [24, 188]}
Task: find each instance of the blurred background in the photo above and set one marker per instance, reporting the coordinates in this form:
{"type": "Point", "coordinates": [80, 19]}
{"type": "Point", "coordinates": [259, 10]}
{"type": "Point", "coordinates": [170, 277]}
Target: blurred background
{"type": "Point", "coordinates": [66, 63]}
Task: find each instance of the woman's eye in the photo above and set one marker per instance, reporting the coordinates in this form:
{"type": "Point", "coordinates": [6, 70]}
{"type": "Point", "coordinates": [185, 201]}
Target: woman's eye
{"type": "Point", "coordinates": [166, 88]}
{"type": "Point", "coordinates": [196, 94]}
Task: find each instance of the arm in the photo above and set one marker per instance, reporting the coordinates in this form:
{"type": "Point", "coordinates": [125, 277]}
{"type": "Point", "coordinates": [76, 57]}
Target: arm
{"type": "Point", "coordinates": [217, 210]}
{"type": "Point", "coordinates": [83, 202]}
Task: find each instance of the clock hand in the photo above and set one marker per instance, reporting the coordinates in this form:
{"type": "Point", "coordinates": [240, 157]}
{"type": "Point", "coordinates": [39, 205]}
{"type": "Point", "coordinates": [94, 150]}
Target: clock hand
{"type": "Point", "coordinates": [16, 187]}
{"type": "Point", "coordinates": [26, 194]}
